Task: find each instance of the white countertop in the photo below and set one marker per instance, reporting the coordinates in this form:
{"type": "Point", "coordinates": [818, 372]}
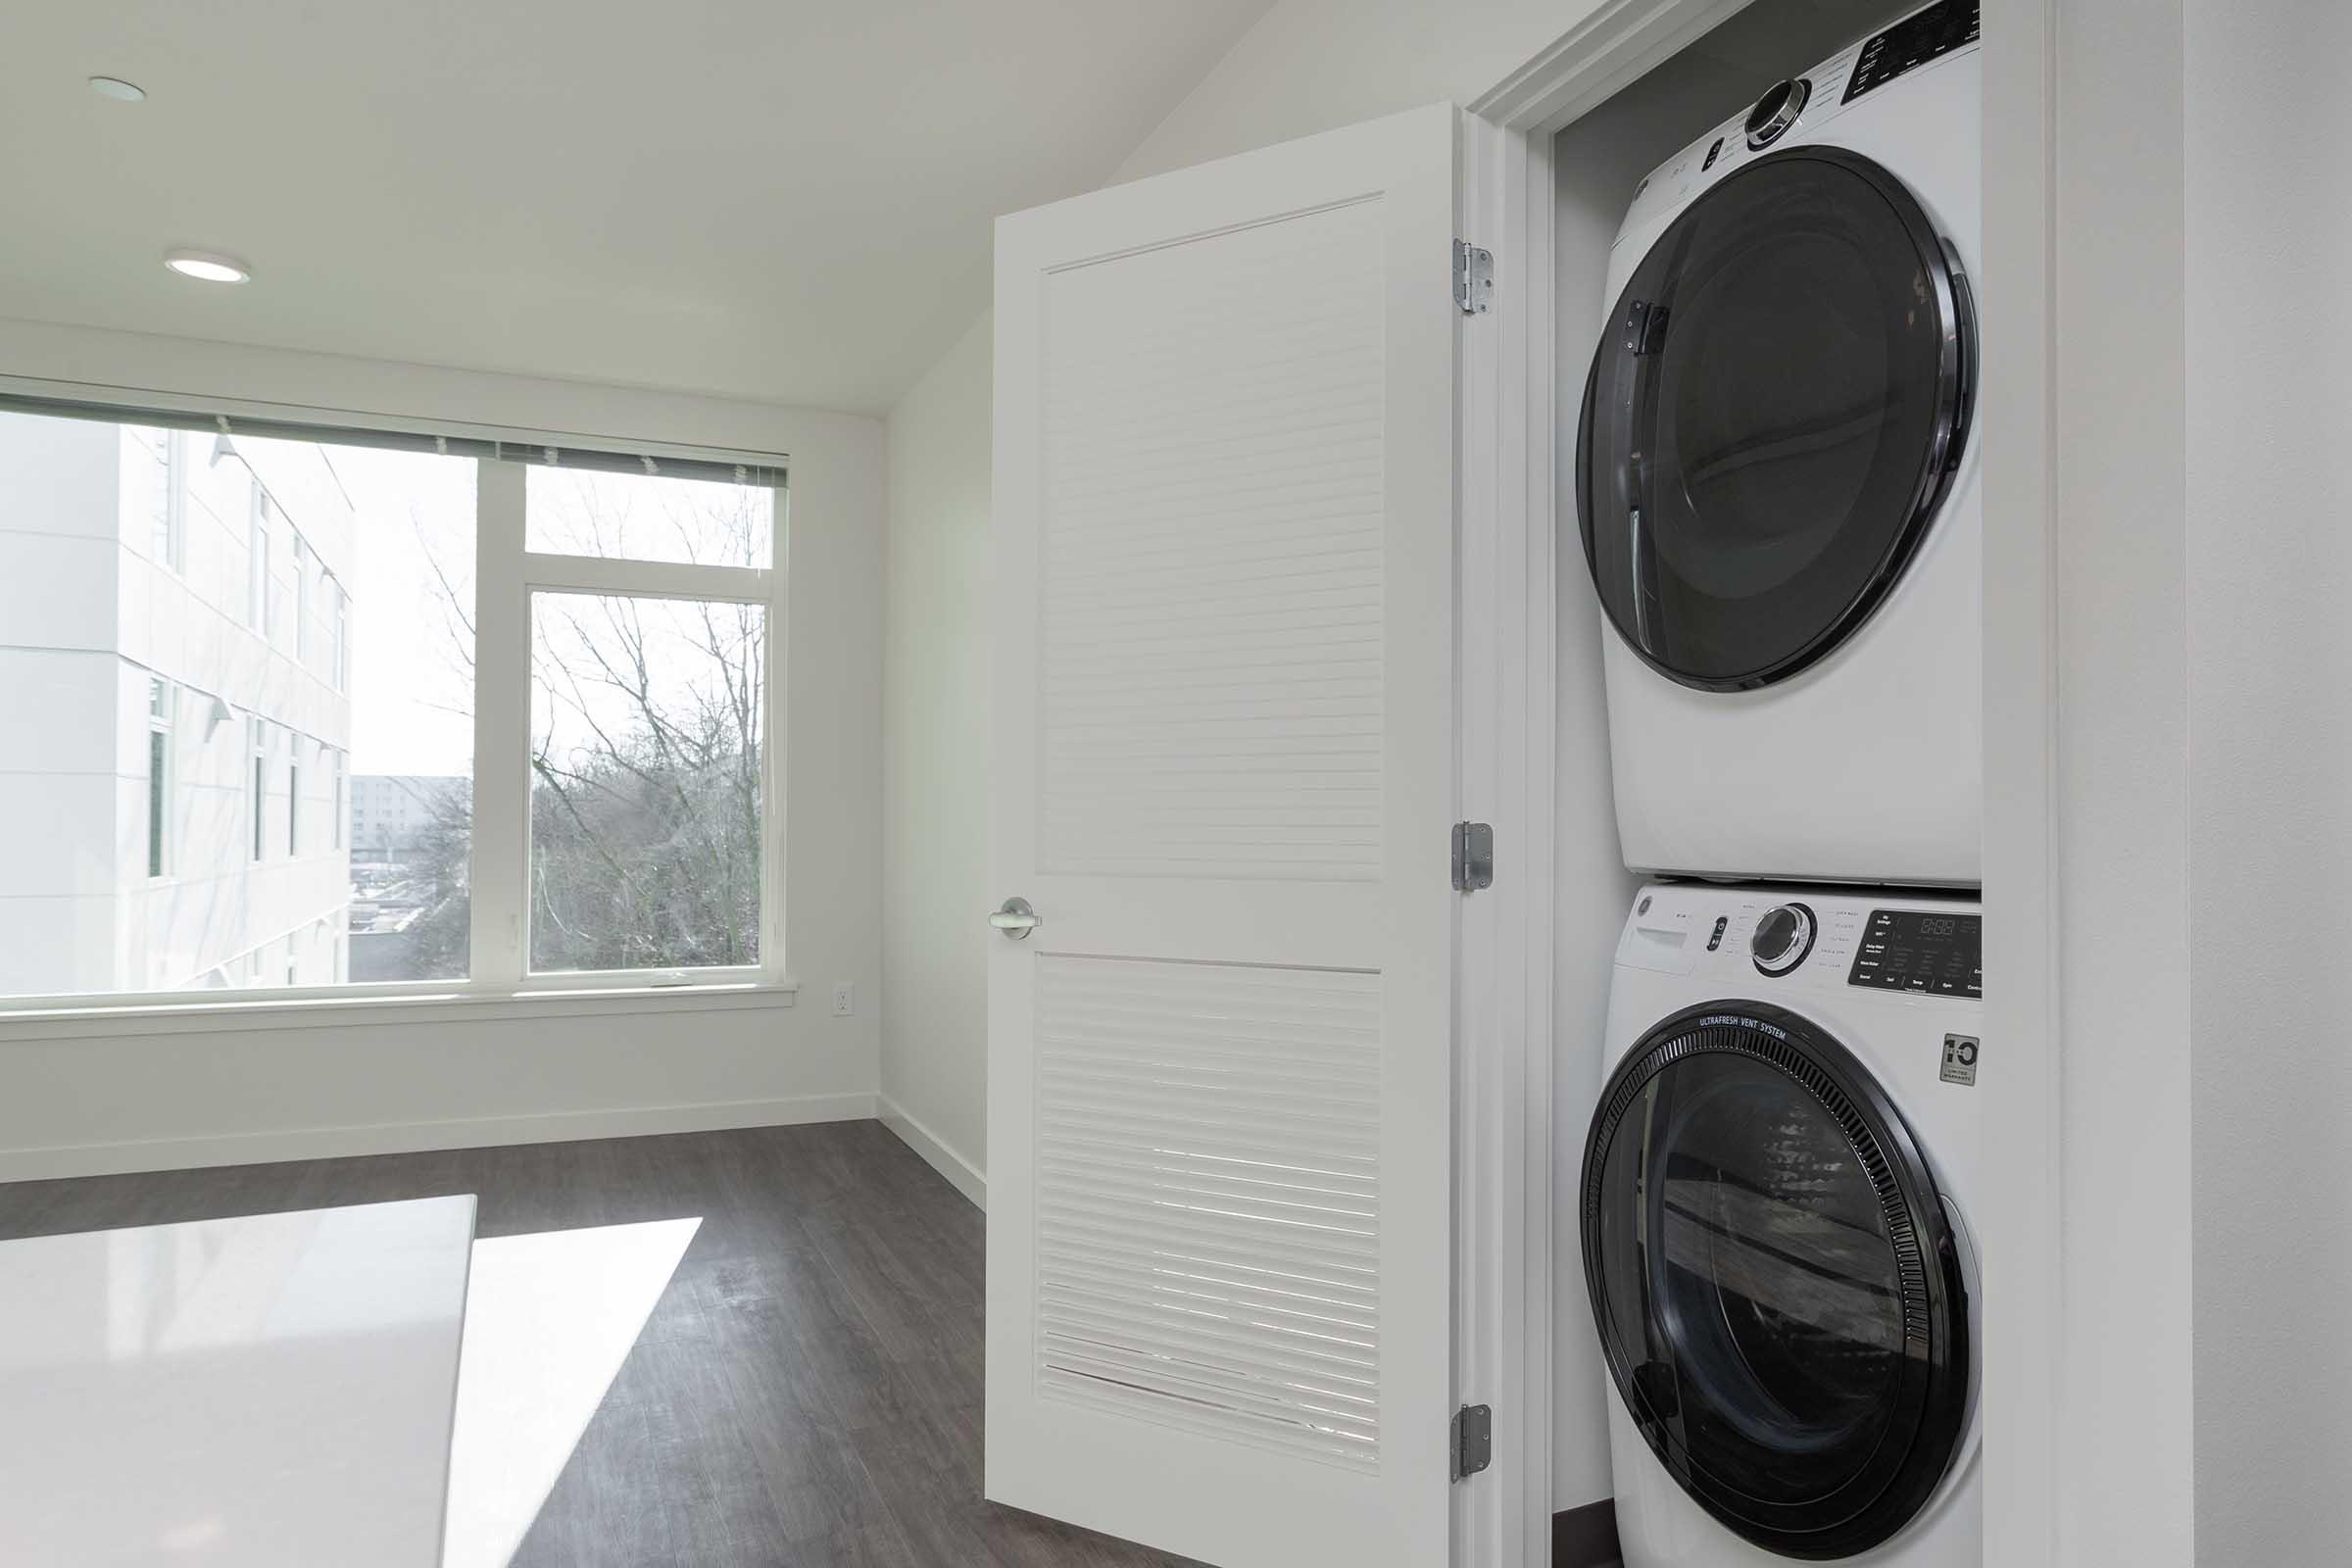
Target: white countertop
{"type": "Point", "coordinates": [268, 1392]}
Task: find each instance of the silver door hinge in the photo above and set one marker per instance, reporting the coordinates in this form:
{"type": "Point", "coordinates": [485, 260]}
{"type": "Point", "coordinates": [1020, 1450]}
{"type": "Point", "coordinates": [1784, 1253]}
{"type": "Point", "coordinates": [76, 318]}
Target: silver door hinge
{"type": "Point", "coordinates": [1473, 279]}
{"type": "Point", "coordinates": [1473, 856]}
{"type": "Point", "coordinates": [1472, 1441]}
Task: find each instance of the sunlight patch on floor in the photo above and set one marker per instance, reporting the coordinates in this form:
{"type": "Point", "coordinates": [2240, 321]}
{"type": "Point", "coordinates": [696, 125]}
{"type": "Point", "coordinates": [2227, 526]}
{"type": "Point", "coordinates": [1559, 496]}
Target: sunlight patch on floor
{"type": "Point", "coordinates": [548, 1319]}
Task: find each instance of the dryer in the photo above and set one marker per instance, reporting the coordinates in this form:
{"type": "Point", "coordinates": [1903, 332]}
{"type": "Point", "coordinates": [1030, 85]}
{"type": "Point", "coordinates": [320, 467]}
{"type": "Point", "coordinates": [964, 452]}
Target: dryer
{"type": "Point", "coordinates": [1774, 1208]}
{"type": "Point", "coordinates": [1777, 485]}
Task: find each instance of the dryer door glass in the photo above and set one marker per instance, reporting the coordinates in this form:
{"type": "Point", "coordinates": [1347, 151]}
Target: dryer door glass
{"type": "Point", "coordinates": [1775, 411]}
{"type": "Point", "coordinates": [1777, 1287]}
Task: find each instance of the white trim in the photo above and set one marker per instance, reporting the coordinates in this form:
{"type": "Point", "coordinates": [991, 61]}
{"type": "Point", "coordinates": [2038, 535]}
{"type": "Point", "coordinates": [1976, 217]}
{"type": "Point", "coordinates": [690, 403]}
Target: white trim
{"type": "Point", "coordinates": [404, 1138]}
{"type": "Point", "coordinates": [940, 1154]}
{"type": "Point", "coordinates": [1616, 44]}
{"type": "Point", "coordinates": [418, 1001]}
{"type": "Point", "coordinates": [647, 579]}
{"type": "Point", "coordinates": [2024, 1463]}
{"type": "Point", "coordinates": [500, 844]}
{"type": "Point", "coordinates": [1509, 755]}
{"type": "Point", "coordinates": [1506, 719]}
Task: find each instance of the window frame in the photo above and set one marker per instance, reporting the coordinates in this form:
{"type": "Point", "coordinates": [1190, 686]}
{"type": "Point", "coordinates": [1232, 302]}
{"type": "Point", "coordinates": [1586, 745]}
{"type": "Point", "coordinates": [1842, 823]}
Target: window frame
{"type": "Point", "coordinates": [257, 776]}
{"type": "Point", "coordinates": [257, 559]}
{"type": "Point", "coordinates": [507, 575]}
{"type": "Point", "coordinates": [163, 704]}
{"type": "Point", "coordinates": [305, 567]}
{"type": "Point", "coordinates": [171, 529]}
{"type": "Point", "coordinates": [500, 983]}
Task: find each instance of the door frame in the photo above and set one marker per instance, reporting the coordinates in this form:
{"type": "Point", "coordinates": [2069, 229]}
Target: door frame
{"type": "Point", "coordinates": [1510, 646]}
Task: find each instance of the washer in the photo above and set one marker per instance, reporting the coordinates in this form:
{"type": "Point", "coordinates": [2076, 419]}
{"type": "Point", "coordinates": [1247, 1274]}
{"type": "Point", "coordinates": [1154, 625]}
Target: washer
{"type": "Point", "coordinates": [1776, 484]}
{"type": "Point", "coordinates": [1773, 1218]}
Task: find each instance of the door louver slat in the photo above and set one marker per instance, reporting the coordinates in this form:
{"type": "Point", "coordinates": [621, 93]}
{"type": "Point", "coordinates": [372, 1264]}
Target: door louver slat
{"type": "Point", "coordinates": [1208, 1199]}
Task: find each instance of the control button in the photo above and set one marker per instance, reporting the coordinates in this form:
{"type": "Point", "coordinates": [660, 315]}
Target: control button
{"type": "Point", "coordinates": [1782, 939]}
{"type": "Point", "coordinates": [1715, 937]}
{"type": "Point", "coordinates": [1776, 111]}
{"type": "Point", "coordinates": [1713, 153]}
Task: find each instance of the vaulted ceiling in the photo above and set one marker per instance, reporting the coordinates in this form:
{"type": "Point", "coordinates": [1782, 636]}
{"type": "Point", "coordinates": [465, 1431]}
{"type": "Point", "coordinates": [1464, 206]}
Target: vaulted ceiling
{"type": "Point", "coordinates": [775, 199]}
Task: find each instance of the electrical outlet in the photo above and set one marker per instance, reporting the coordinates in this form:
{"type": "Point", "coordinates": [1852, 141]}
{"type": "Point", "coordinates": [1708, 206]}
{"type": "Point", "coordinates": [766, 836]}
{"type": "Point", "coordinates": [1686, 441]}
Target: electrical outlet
{"type": "Point", "coordinates": [845, 999]}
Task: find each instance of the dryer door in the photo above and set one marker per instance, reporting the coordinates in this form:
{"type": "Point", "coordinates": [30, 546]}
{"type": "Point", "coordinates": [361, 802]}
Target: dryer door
{"type": "Point", "coordinates": [1775, 411]}
{"type": "Point", "coordinates": [1777, 1286]}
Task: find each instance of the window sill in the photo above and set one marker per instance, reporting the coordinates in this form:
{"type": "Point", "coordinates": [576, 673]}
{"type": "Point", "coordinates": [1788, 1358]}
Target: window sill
{"type": "Point", "coordinates": [458, 1003]}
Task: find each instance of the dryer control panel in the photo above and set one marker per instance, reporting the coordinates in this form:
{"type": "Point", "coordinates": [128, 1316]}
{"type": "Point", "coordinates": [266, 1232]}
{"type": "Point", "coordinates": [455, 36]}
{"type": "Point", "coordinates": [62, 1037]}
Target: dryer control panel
{"type": "Point", "coordinates": [1912, 43]}
{"type": "Point", "coordinates": [1926, 38]}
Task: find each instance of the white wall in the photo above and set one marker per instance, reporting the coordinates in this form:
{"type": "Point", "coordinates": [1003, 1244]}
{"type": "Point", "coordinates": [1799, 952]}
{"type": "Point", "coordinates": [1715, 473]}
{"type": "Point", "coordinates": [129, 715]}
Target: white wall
{"type": "Point", "coordinates": [935, 769]}
{"type": "Point", "coordinates": [2203, 737]}
{"type": "Point", "coordinates": [2269, 578]}
{"type": "Point", "coordinates": [1314, 65]}
{"type": "Point", "coordinates": [440, 1076]}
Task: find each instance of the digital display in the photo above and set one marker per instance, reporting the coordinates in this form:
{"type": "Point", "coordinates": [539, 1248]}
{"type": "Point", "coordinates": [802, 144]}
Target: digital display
{"type": "Point", "coordinates": [1920, 950]}
{"type": "Point", "coordinates": [1915, 40]}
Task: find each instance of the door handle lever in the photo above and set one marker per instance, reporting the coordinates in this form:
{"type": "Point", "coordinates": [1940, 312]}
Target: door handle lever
{"type": "Point", "coordinates": [1017, 919]}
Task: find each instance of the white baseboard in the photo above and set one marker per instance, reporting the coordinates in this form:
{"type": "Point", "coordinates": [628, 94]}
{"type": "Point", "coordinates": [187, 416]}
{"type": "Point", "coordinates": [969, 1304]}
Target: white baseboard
{"type": "Point", "coordinates": [961, 1173]}
{"type": "Point", "coordinates": [401, 1138]}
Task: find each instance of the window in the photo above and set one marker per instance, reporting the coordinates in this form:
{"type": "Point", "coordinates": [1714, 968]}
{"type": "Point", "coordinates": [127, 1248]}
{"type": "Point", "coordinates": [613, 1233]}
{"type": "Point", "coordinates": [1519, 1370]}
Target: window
{"type": "Point", "coordinates": [257, 560]}
{"type": "Point", "coordinates": [625, 620]}
{"type": "Point", "coordinates": [305, 569]}
{"type": "Point", "coordinates": [647, 738]}
{"type": "Point", "coordinates": [159, 775]}
{"type": "Point", "coordinates": [273, 585]}
{"type": "Point", "coordinates": [164, 455]}
{"type": "Point", "coordinates": [649, 517]}
{"type": "Point", "coordinates": [260, 788]}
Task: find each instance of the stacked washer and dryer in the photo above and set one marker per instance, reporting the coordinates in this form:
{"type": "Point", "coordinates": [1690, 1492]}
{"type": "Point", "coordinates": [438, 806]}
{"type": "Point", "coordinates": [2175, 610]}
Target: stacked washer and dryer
{"type": "Point", "coordinates": [1778, 492]}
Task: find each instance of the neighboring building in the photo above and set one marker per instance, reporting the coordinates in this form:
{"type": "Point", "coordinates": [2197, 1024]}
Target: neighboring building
{"type": "Point", "coordinates": [390, 815]}
{"type": "Point", "coordinates": [390, 811]}
{"type": "Point", "coordinates": [174, 724]}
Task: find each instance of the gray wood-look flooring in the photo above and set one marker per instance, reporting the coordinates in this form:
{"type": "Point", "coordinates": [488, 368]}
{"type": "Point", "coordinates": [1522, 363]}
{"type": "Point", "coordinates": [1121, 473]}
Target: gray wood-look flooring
{"type": "Point", "coordinates": [807, 1391]}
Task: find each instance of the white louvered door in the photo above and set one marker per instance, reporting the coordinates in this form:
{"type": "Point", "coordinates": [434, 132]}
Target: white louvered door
{"type": "Point", "coordinates": [1219, 1266]}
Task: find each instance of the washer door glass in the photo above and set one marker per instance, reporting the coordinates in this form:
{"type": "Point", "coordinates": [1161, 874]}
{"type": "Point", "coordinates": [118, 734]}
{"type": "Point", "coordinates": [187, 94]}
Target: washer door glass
{"type": "Point", "coordinates": [1773, 414]}
{"type": "Point", "coordinates": [1775, 1284]}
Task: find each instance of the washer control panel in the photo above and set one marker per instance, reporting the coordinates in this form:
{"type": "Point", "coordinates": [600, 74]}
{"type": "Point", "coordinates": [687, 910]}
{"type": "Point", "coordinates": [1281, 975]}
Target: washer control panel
{"type": "Point", "coordinates": [1761, 940]}
{"type": "Point", "coordinates": [1935, 951]}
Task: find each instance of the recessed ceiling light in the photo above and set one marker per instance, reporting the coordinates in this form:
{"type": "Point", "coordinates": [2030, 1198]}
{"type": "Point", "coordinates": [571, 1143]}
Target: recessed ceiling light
{"type": "Point", "coordinates": [208, 267]}
{"type": "Point", "coordinates": [115, 88]}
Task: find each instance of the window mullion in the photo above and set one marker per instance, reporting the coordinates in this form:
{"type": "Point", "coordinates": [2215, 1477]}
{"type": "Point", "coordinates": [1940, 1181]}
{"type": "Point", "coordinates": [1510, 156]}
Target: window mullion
{"type": "Point", "coordinates": [772, 803]}
{"type": "Point", "coordinates": [501, 722]}
{"type": "Point", "coordinates": [655, 579]}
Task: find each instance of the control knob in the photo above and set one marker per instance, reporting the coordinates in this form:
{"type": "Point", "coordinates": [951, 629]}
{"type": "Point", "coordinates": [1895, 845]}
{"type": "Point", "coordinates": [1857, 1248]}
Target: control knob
{"type": "Point", "coordinates": [1776, 111]}
{"type": "Point", "coordinates": [1782, 939]}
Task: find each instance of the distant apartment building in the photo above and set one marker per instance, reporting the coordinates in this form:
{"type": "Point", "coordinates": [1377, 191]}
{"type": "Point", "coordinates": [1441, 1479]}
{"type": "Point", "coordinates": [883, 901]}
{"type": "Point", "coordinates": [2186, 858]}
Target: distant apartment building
{"type": "Point", "coordinates": [174, 676]}
{"type": "Point", "coordinates": [391, 811]}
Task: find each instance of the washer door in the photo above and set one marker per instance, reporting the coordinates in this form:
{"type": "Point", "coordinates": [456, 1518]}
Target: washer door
{"type": "Point", "coordinates": [1773, 414]}
{"type": "Point", "coordinates": [1776, 1283]}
